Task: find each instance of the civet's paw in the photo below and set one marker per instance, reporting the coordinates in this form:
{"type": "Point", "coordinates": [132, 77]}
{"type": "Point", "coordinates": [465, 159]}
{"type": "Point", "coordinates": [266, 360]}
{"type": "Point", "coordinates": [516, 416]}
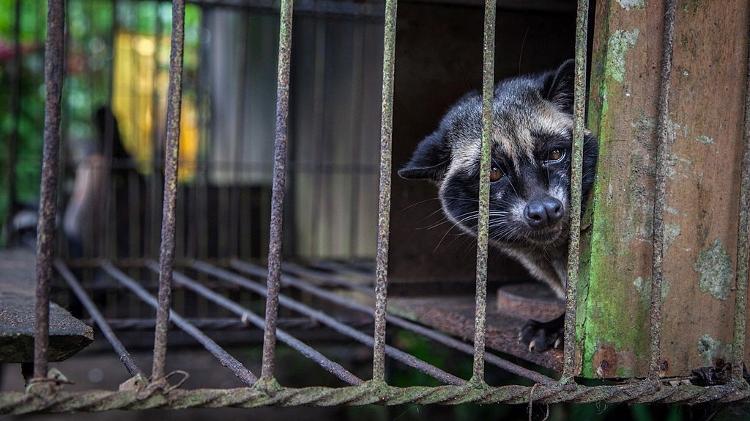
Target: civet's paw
{"type": "Point", "coordinates": [542, 336]}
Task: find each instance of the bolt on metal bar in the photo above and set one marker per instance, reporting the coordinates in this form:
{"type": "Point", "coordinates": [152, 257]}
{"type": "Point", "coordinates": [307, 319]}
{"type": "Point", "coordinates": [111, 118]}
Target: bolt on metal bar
{"type": "Point", "coordinates": [329, 321]}
{"type": "Point", "coordinates": [488, 82]}
{"type": "Point", "coordinates": [45, 240]}
{"type": "Point", "coordinates": [278, 186]}
{"type": "Point", "coordinates": [345, 302]}
{"type": "Point", "coordinates": [576, 175]}
{"type": "Point", "coordinates": [384, 196]}
{"type": "Point", "coordinates": [171, 158]}
{"type": "Point", "coordinates": [743, 241]}
{"type": "Point", "coordinates": [228, 361]}
{"type": "Point", "coordinates": [95, 314]}
{"type": "Point", "coordinates": [250, 317]}
{"type": "Point", "coordinates": [663, 148]}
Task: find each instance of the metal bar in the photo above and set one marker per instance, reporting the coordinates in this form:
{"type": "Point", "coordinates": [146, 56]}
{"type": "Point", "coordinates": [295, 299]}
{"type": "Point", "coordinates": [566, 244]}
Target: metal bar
{"type": "Point", "coordinates": [576, 175]}
{"type": "Point", "coordinates": [279, 181]}
{"type": "Point", "coordinates": [384, 196]}
{"type": "Point", "coordinates": [104, 327]}
{"type": "Point", "coordinates": [328, 321]}
{"type": "Point", "coordinates": [217, 351]}
{"type": "Point", "coordinates": [660, 199]}
{"type": "Point", "coordinates": [250, 317]}
{"type": "Point", "coordinates": [488, 82]}
{"type": "Point", "coordinates": [439, 337]}
{"type": "Point", "coordinates": [743, 242]}
{"type": "Point", "coordinates": [45, 240]}
{"type": "Point", "coordinates": [171, 155]}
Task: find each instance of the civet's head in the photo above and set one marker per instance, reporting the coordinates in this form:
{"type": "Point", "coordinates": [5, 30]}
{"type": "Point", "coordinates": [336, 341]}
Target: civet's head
{"type": "Point", "coordinates": [531, 159]}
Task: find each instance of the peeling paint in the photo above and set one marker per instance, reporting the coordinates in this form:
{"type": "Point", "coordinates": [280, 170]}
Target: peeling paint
{"type": "Point", "coordinates": [619, 44]}
{"type": "Point", "coordinates": [706, 140]}
{"type": "Point", "coordinates": [632, 4]}
{"type": "Point", "coordinates": [715, 269]}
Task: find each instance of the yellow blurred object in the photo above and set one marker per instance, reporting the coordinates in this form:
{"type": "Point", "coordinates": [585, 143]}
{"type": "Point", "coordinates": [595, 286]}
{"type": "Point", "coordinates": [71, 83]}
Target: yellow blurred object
{"type": "Point", "coordinates": [133, 99]}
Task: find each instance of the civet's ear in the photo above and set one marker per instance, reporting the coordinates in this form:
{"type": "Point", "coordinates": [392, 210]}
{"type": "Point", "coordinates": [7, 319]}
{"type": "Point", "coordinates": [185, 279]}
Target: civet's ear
{"type": "Point", "coordinates": [430, 160]}
{"type": "Point", "coordinates": [558, 86]}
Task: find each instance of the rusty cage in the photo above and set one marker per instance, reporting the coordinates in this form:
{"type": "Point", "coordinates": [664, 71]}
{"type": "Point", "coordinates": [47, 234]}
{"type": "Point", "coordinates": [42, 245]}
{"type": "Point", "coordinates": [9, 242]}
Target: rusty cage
{"type": "Point", "coordinates": [155, 390]}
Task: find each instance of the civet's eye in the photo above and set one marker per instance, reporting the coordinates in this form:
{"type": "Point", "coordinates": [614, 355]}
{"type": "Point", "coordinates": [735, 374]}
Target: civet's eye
{"type": "Point", "coordinates": [555, 155]}
{"type": "Point", "coordinates": [495, 174]}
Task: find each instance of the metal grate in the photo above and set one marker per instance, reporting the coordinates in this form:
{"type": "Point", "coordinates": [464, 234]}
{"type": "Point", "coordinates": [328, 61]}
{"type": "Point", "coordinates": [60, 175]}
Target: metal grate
{"type": "Point", "coordinates": [156, 391]}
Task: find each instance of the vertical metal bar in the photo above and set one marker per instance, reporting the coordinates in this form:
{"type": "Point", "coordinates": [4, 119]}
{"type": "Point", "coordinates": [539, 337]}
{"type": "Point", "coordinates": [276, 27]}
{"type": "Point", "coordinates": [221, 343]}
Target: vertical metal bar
{"type": "Point", "coordinates": [488, 81]}
{"type": "Point", "coordinates": [101, 322]}
{"type": "Point", "coordinates": [166, 255]}
{"type": "Point", "coordinates": [279, 181]}
{"type": "Point", "coordinates": [15, 109]}
{"type": "Point", "coordinates": [743, 240]}
{"type": "Point", "coordinates": [45, 240]}
{"type": "Point", "coordinates": [384, 197]}
{"type": "Point", "coordinates": [662, 156]}
{"type": "Point", "coordinates": [579, 111]}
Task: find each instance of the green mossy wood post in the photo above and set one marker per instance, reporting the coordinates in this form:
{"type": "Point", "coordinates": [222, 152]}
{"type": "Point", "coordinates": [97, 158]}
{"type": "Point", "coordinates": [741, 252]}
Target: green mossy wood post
{"type": "Point", "coordinates": [705, 121]}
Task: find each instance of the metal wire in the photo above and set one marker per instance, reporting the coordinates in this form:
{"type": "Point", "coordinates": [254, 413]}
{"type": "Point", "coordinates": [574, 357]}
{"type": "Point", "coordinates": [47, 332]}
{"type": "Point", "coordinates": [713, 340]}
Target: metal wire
{"type": "Point", "coordinates": [579, 110]}
{"type": "Point", "coordinates": [384, 196]}
{"type": "Point", "coordinates": [662, 157]}
{"type": "Point", "coordinates": [45, 241]}
{"type": "Point", "coordinates": [171, 158]}
{"type": "Point", "coordinates": [95, 314]}
{"type": "Point", "coordinates": [278, 186]}
{"type": "Point", "coordinates": [329, 321]}
{"type": "Point", "coordinates": [248, 316]}
{"type": "Point", "coordinates": [228, 361]}
{"type": "Point", "coordinates": [488, 82]}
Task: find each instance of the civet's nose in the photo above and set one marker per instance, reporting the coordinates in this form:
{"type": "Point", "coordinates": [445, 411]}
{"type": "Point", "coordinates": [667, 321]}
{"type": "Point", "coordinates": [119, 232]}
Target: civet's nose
{"type": "Point", "coordinates": [543, 212]}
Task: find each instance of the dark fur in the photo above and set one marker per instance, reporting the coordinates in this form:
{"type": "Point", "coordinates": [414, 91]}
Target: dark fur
{"type": "Point", "coordinates": [533, 115]}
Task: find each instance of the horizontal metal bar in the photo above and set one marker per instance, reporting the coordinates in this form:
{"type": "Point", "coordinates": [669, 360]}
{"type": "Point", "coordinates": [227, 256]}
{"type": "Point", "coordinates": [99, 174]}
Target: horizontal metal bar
{"type": "Point", "coordinates": [217, 351]}
{"type": "Point", "coordinates": [329, 321]}
{"type": "Point", "coordinates": [104, 327]}
{"type": "Point", "coordinates": [366, 394]}
{"type": "Point", "coordinates": [252, 318]}
{"type": "Point", "coordinates": [439, 337]}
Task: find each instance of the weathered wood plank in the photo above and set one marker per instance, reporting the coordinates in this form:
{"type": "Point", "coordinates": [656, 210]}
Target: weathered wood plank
{"type": "Point", "coordinates": [68, 335]}
{"type": "Point", "coordinates": [702, 191]}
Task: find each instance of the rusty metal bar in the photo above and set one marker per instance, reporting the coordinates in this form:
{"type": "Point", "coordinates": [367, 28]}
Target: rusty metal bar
{"type": "Point", "coordinates": [45, 240]}
{"type": "Point", "coordinates": [228, 361]}
{"type": "Point", "coordinates": [329, 321]}
{"type": "Point", "coordinates": [171, 158]}
{"type": "Point", "coordinates": [95, 314]}
{"type": "Point", "coordinates": [278, 185]}
{"type": "Point", "coordinates": [743, 242]}
{"type": "Point", "coordinates": [252, 318]}
{"type": "Point", "coordinates": [663, 148]}
{"type": "Point", "coordinates": [576, 175]}
{"type": "Point", "coordinates": [488, 82]}
{"type": "Point", "coordinates": [384, 196]}
{"type": "Point", "coordinates": [340, 300]}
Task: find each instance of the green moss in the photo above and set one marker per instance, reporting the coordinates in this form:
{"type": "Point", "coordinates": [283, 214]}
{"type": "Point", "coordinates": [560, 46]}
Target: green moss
{"type": "Point", "coordinates": [619, 44]}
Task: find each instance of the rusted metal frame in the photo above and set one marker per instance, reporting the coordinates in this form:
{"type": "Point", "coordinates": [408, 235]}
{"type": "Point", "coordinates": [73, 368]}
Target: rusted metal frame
{"type": "Point", "coordinates": [488, 82]}
{"type": "Point", "coordinates": [45, 240]}
{"type": "Point", "coordinates": [384, 196]}
{"type": "Point", "coordinates": [743, 241]}
{"type": "Point", "coordinates": [439, 337]}
{"type": "Point", "coordinates": [663, 147]}
{"type": "Point", "coordinates": [99, 319]}
{"type": "Point", "coordinates": [228, 361]}
{"type": "Point", "coordinates": [171, 158]}
{"type": "Point", "coordinates": [15, 109]}
{"type": "Point", "coordinates": [278, 186]}
{"type": "Point", "coordinates": [576, 175]}
{"type": "Point", "coordinates": [247, 316]}
{"type": "Point", "coordinates": [329, 321]}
